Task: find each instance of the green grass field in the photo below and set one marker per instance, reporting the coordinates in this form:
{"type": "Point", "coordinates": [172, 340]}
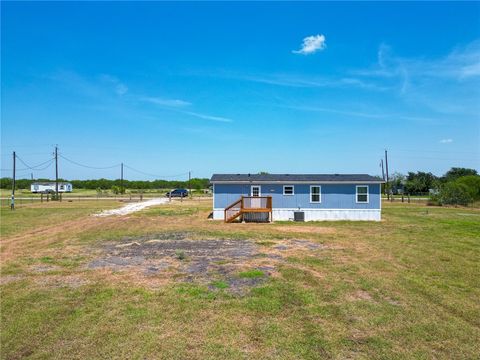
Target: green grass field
{"type": "Point", "coordinates": [407, 287]}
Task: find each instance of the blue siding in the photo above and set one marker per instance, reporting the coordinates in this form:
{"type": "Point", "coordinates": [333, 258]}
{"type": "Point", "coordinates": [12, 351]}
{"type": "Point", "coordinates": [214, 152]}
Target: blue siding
{"type": "Point", "coordinates": [334, 196]}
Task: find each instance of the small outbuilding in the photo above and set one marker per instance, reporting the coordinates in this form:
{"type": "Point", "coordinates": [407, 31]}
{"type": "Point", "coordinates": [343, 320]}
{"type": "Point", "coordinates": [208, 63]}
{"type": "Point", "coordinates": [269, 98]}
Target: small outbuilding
{"type": "Point", "coordinates": [299, 197]}
{"type": "Point", "coordinates": [49, 187]}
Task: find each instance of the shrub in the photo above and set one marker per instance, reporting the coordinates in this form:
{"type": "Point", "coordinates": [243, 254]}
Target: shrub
{"type": "Point", "coordinates": [180, 254]}
{"type": "Point", "coordinates": [453, 193]}
{"type": "Point", "coordinates": [472, 182]}
{"type": "Point", "coordinates": [118, 190]}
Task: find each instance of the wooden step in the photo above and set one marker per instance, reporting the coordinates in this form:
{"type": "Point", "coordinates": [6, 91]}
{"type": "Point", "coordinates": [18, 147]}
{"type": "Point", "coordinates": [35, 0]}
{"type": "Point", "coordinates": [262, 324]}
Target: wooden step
{"type": "Point", "coordinates": [233, 217]}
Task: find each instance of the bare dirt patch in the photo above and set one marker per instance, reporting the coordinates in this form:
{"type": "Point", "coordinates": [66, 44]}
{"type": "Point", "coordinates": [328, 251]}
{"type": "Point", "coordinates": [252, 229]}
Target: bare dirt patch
{"type": "Point", "coordinates": [133, 207]}
{"type": "Point", "coordinates": [7, 279]}
{"type": "Point", "coordinates": [177, 256]}
{"type": "Point", "coordinates": [69, 281]}
{"type": "Point", "coordinates": [44, 268]}
{"type": "Point", "coordinates": [360, 295]}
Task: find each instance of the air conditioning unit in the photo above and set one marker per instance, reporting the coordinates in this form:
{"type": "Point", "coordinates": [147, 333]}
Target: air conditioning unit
{"type": "Point", "coordinates": [298, 216]}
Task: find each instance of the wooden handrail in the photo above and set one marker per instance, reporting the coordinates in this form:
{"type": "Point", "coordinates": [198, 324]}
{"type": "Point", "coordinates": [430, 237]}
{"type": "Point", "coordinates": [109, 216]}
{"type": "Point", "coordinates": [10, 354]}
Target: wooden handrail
{"type": "Point", "coordinates": [233, 204]}
{"type": "Point", "coordinates": [242, 206]}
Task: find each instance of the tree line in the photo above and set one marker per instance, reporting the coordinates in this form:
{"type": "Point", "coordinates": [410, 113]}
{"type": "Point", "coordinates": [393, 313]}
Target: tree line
{"type": "Point", "coordinates": [457, 186]}
{"type": "Point", "coordinates": [106, 184]}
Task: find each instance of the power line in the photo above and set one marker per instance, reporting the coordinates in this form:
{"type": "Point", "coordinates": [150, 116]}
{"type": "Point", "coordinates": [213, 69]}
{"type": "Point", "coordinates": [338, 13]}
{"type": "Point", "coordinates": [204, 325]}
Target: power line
{"type": "Point", "coordinates": [154, 175]}
{"type": "Point", "coordinates": [88, 166]}
{"type": "Point", "coordinates": [50, 162]}
{"type": "Point", "coordinates": [32, 167]}
{"type": "Point", "coordinates": [120, 165]}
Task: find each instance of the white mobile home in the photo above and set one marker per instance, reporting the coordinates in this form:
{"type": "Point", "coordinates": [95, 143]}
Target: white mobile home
{"type": "Point", "coordinates": [49, 187]}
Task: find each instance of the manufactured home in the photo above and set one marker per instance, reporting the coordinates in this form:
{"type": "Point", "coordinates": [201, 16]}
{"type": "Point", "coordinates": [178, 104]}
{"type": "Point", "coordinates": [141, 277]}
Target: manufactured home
{"type": "Point", "coordinates": [49, 187]}
{"type": "Point", "coordinates": [299, 197]}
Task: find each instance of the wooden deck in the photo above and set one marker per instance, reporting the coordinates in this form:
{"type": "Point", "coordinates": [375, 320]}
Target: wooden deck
{"type": "Point", "coordinates": [248, 204]}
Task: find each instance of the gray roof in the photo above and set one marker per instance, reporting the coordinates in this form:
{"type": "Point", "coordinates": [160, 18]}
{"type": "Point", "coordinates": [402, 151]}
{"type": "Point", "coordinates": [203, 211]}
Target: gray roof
{"type": "Point", "coordinates": [285, 178]}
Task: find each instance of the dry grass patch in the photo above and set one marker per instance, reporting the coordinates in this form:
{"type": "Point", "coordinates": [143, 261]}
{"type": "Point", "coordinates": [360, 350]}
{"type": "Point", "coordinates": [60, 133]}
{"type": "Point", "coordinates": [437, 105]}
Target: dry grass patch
{"type": "Point", "coordinates": [403, 288]}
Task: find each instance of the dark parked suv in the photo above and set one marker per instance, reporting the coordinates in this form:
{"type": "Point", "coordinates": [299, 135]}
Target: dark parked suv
{"type": "Point", "coordinates": [177, 193]}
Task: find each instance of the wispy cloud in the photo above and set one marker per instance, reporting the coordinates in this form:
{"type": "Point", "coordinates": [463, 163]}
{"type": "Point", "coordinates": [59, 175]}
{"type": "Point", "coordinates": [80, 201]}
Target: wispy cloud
{"type": "Point", "coordinates": [166, 102]}
{"type": "Point", "coordinates": [434, 82]}
{"type": "Point", "coordinates": [98, 86]}
{"type": "Point", "coordinates": [446, 141]}
{"type": "Point", "coordinates": [312, 44]}
{"type": "Point", "coordinates": [302, 81]}
{"type": "Point", "coordinates": [207, 117]}
{"type": "Point", "coordinates": [177, 105]}
{"type": "Point", "coordinates": [366, 115]}
{"type": "Point", "coordinates": [101, 89]}
{"type": "Point", "coordinates": [119, 87]}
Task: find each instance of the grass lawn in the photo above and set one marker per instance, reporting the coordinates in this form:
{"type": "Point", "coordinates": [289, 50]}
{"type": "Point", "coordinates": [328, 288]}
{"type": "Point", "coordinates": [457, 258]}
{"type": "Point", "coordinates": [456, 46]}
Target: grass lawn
{"type": "Point", "coordinates": [407, 287]}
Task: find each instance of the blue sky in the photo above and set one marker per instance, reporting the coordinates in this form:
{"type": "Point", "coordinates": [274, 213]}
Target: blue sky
{"type": "Point", "coordinates": [240, 87]}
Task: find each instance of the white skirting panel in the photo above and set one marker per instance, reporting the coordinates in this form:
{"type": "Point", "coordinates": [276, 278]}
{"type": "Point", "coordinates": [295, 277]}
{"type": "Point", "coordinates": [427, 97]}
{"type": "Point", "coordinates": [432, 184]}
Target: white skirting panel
{"type": "Point", "coordinates": [319, 214]}
{"type": "Point", "coordinates": [329, 214]}
{"type": "Point", "coordinates": [218, 214]}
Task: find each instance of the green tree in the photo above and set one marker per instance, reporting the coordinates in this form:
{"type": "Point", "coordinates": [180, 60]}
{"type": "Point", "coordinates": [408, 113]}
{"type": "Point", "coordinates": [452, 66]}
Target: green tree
{"type": "Point", "coordinates": [455, 172]}
{"type": "Point", "coordinates": [453, 193]}
{"type": "Point", "coordinates": [419, 182]}
{"type": "Point", "coordinates": [472, 182]}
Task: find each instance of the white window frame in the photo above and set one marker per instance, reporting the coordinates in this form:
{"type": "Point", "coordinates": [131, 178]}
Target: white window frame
{"type": "Point", "coordinates": [356, 194]}
{"type": "Point", "coordinates": [293, 190]}
{"type": "Point", "coordinates": [259, 190]}
{"type": "Point", "coordinates": [319, 194]}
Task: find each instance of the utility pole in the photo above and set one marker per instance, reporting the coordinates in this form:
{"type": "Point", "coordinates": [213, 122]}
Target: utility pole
{"type": "Point", "coordinates": [383, 171]}
{"type": "Point", "coordinates": [383, 174]}
{"type": "Point", "coordinates": [12, 204]}
{"type": "Point", "coordinates": [56, 172]}
{"type": "Point", "coordinates": [386, 168]}
{"type": "Point", "coordinates": [121, 178]}
{"type": "Point", "coordinates": [189, 183]}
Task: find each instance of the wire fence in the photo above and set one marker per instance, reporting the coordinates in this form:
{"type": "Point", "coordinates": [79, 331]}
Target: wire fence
{"type": "Point", "coordinates": [23, 200]}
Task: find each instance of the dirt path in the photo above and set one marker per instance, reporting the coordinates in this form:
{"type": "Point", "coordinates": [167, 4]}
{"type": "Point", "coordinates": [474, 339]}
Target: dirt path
{"type": "Point", "coordinates": [131, 208]}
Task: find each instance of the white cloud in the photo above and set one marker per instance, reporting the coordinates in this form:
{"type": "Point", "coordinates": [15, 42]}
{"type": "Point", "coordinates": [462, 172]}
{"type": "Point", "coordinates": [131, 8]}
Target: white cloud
{"type": "Point", "coordinates": [446, 141]}
{"type": "Point", "coordinates": [166, 102]}
{"type": "Point", "coordinates": [312, 44]}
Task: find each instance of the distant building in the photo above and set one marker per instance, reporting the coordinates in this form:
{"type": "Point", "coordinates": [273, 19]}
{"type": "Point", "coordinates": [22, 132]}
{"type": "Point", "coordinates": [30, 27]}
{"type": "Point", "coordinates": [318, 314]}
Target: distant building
{"type": "Point", "coordinates": [49, 187]}
{"type": "Point", "coordinates": [269, 197]}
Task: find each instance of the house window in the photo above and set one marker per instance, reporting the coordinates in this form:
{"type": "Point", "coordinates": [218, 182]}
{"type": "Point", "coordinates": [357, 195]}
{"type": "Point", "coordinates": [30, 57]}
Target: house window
{"type": "Point", "coordinates": [255, 191]}
{"type": "Point", "coordinates": [362, 193]}
{"type": "Point", "coordinates": [315, 194]}
{"type": "Point", "coordinates": [288, 190]}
